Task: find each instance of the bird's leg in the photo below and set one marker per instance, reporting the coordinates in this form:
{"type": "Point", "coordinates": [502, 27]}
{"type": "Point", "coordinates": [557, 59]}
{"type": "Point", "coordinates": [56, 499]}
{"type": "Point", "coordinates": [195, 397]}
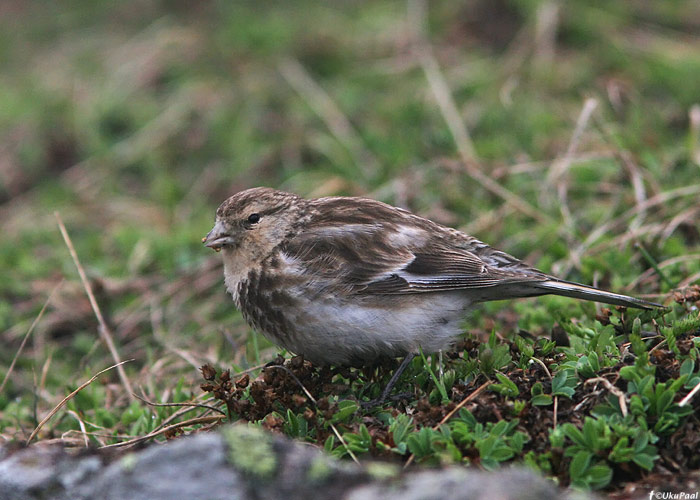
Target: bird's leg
{"type": "Point", "coordinates": [392, 381]}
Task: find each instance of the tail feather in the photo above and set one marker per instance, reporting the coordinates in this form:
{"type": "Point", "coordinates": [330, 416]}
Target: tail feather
{"type": "Point", "coordinates": [575, 290]}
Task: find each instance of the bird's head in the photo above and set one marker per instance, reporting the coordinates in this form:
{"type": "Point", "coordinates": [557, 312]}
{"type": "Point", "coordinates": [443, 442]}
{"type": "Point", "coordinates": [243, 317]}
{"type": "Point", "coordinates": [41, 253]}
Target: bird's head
{"type": "Point", "coordinates": [253, 222]}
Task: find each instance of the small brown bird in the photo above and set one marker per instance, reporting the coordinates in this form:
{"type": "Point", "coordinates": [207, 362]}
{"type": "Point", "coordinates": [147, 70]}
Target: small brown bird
{"type": "Point", "coordinates": [349, 280]}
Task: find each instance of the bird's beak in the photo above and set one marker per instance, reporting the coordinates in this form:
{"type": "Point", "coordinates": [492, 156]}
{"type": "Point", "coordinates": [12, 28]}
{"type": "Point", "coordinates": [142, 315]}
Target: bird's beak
{"type": "Point", "coordinates": [217, 237]}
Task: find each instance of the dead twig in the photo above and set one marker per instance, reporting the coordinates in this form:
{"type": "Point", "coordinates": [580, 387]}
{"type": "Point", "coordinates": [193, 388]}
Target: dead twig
{"type": "Point", "coordinates": [187, 405]}
{"type": "Point", "coordinates": [448, 108]}
{"type": "Point", "coordinates": [656, 200]}
{"type": "Point", "coordinates": [666, 263]}
{"type": "Point", "coordinates": [26, 336]}
{"type": "Point", "coordinates": [192, 421]}
{"type": "Point", "coordinates": [689, 280]}
{"type": "Point", "coordinates": [438, 85]}
{"type": "Point", "coordinates": [555, 409]}
{"type": "Point", "coordinates": [690, 395]}
{"type": "Point", "coordinates": [104, 330]}
{"type": "Point", "coordinates": [326, 109]}
{"type": "Point", "coordinates": [638, 183]}
{"type": "Point", "coordinates": [694, 119]}
{"type": "Point", "coordinates": [541, 363]}
{"type": "Point", "coordinates": [546, 24]}
{"type": "Point", "coordinates": [174, 417]}
{"type": "Point", "coordinates": [83, 430]}
{"type": "Point", "coordinates": [68, 398]}
{"type": "Point", "coordinates": [613, 390]}
{"type": "Point", "coordinates": [557, 174]}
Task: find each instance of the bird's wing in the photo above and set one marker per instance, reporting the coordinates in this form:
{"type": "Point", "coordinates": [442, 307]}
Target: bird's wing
{"type": "Point", "coordinates": [376, 249]}
{"type": "Point", "coordinates": [439, 269]}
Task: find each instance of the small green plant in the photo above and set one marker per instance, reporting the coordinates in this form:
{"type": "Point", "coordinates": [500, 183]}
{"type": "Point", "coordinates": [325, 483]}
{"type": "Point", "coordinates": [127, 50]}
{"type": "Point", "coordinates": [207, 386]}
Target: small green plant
{"type": "Point", "coordinates": [654, 401]}
{"type": "Point", "coordinates": [346, 409]}
{"type": "Point", "coordinates": [603, 441]}
{"type": "Point", "coordinates": [493, 355]}
{"type": "Point", "coordinates": [688, 370]}
{"type": "Point", "coordinates": [400, 428]}
{"type": "Point", "coordinates": [295, 426]}
{"type": "Point", "coordinates": [539, 398]}
{"type": "Point", "coordinates": [588, 366]}
{"type": "Point", "coordinates": [505, 387]}
{"type": "Point", "coordinates": [440, 383]}
{"type": "Point", "coordinates": [587, 473]}
{"type": "Point", "coordinates": [357, 442]}
{"type": "Point", "coordinates": [421, 443]}
{"type": "Point", "coordinates": [495, 442]}
{"type": "Point", "coordinates": [564, 383]}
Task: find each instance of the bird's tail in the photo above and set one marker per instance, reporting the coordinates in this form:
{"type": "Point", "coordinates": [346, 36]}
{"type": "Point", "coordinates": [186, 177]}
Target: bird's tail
{"type": "Point", "coordinates": [575, 290]}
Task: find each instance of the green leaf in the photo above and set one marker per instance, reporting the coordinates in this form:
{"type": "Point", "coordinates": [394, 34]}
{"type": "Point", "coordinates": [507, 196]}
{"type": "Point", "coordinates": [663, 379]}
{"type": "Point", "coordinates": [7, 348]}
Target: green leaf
{"type": "Point", "coordinates": [579, 464]}
{"type": "Point", "coordinates": [661, 400]}
{"type": "Point", "coordinates": [644, 460]}
{"type": "Point", "coordinates": [364, 433]}
{"type": "Point", "coordinates": [328, 444]}
{"type": "Point", "coordinates": [420, 443]}
{"type": "Point", "coordinates": [640, 443]}
{"type": "Point", "coordinates": [590, 433]}
{"type": "Point", "coordinates": [492, 450]}
{"type": "Point", "coordinates": [295, 425]}
{"type": "Point", "coordinates": [360, 442]}
{"type": "Point", "coordinates": [629, 373]}
{"type": "Point", "coordinates": [518, 441]}
{"type": "Point", "coordinates": [561, 386]}
{"type": "Point", "coordinates": [400, 427]}
{"type": "Point", "coordinates": [346, 409]}
{"type": "Point", "coordinates": [439, 384]}
{"type": "Point", "coordinates": [462, 434]}
{"type": "Point", "coordinates": [637, 406]}
{"type": "Point", "coordinates": [621, 452]}
{"type": "Point", "coordinates": [506, 387]}
{"type": "Point", "coordinates": [468, 418]}
{"type": "Point", "coordinates": [687, 367]}
{"type": "Point", "coordinates": [599, 476]}
{"type": "Point", "coordinates": [541, 400]}
{"type": "Point", "coordinates": [574, 434]}
{"type": "Point", "coordinates": [557, 437]}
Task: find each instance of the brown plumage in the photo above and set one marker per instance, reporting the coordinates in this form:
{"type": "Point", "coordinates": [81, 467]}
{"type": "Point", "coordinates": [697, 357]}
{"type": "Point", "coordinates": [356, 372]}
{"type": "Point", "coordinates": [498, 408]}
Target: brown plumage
{"type": "Point", "coordinates": [347, 280]}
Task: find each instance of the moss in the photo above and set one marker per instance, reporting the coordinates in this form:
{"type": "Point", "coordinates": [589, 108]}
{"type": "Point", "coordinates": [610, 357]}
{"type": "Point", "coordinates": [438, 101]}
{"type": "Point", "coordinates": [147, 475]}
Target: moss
{"type": "Point", "coordinates": [250, 450]}
{"type": "Point", "coordinates": [381, 470]}
{"type": "Point", "coordinates": [128, 462]}
{"type": "Point", "coordinates": [320, 469]}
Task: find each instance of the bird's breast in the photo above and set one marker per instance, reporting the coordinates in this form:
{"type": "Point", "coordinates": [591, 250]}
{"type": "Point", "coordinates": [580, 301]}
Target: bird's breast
{"type": "Point", "coordinates": [268, 304]}
{"type": "Point", "coordinates": [330, 328]}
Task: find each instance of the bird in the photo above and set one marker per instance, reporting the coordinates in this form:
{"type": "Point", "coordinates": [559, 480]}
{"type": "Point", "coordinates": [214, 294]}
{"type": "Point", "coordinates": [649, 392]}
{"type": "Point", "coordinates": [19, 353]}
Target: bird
{"type": "Point", "coordinates": [350, 280]}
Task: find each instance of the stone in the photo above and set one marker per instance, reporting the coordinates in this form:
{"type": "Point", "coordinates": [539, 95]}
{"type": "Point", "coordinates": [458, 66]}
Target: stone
{"type": "Point", "coordinates": [243, 462]}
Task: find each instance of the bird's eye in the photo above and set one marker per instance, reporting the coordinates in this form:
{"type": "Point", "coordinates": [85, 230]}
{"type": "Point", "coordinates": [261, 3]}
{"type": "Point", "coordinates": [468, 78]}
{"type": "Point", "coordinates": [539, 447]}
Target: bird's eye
{"type": "Point", "coordinates": [253, 218]}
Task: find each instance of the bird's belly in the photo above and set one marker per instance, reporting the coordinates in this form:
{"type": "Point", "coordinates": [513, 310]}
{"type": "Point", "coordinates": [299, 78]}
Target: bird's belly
{"type": "Point", "coordinates": [342, 330]}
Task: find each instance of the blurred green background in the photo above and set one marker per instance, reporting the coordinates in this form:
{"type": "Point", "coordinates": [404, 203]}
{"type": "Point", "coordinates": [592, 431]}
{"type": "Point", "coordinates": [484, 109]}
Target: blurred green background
{"type": "Point", "coordinates": [135, 119]}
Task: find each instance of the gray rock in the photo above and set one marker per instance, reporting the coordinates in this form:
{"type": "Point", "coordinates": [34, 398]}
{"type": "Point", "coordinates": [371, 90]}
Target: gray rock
{"type": "Point", "coordinates": [29, 472]}
{"type": "Point", "coordinates": [462, 484]}
{"type": "Point", "coordinates": [193, 467]}
{"type": "Point", "coordinates": [243, 462]}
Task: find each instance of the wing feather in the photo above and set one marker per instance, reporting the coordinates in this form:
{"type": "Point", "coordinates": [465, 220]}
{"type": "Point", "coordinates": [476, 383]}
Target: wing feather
{"type": "Point", "coordinates": [364, 249]}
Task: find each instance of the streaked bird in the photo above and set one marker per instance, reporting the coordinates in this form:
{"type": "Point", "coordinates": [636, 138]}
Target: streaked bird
{"type": "Point", "coordinates": [345, 280]}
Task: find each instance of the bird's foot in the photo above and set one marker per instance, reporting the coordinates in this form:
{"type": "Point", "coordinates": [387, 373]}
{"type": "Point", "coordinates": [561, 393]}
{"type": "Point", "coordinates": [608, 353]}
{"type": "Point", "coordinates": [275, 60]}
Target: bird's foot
{"type": "Point", "coordinates": [368, 405]}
